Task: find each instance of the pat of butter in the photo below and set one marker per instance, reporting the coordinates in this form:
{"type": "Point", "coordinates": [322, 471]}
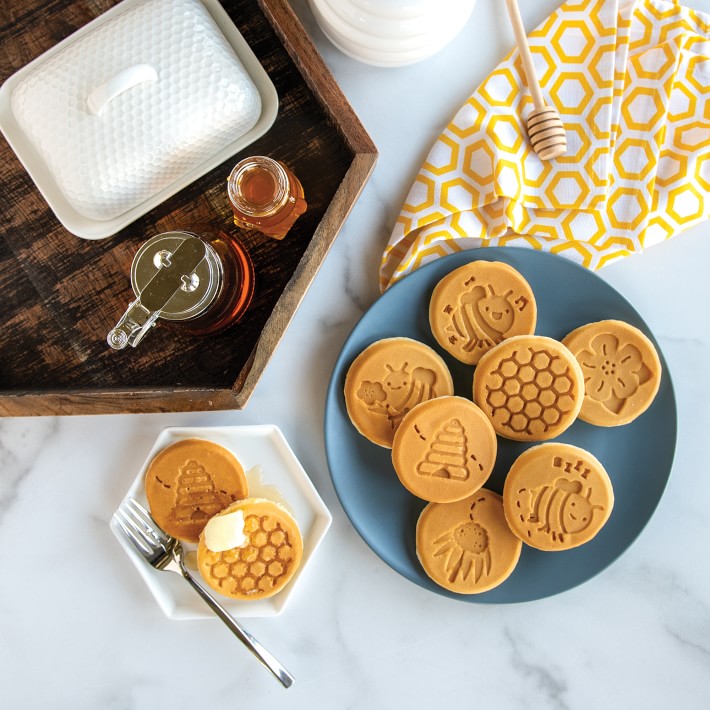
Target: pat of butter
{"type": "Point", "coordinates": [225, 532]}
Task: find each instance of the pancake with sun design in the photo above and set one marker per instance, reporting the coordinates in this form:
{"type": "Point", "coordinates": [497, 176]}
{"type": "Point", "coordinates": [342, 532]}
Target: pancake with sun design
{"type": "Point", "coordinates": [467, 546]}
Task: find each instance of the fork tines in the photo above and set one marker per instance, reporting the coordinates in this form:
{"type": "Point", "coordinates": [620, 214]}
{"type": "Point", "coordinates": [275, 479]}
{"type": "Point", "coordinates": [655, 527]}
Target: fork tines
{"type": "Point", "coordinates": [139, 526]}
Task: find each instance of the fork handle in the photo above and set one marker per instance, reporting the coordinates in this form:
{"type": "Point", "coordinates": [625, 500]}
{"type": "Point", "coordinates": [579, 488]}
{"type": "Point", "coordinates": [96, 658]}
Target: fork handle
{"type": "Point", "coordinates": [262, 654]}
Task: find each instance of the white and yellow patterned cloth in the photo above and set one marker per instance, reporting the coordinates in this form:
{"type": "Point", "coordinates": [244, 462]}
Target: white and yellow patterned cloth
{"type": "Point", "coordinates": [631, 81]}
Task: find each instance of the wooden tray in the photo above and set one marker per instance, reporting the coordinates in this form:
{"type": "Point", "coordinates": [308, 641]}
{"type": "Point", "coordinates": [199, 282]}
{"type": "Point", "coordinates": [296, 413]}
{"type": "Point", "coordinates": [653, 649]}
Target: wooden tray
{"type": "Point", "coordinates": [61, 295]}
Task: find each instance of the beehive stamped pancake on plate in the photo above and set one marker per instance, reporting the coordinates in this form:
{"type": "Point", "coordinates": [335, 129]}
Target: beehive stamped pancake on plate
{"type": "Point", "coordinates": [557, 496]}
{"type": "Point", "coordinates": [444, 449]}
{"type": "Point", "coordinates": [389, 378]}
{"type": "Point", "coordinates": [477, 306]}
{"type": "Point", "coordinates": [190, 481]}
{"type": "Point", "coordinates": [530, 386]}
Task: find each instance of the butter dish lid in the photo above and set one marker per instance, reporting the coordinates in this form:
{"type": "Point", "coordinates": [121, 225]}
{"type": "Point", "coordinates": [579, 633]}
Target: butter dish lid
{"type": "Point", "coordinates": [134, 106]}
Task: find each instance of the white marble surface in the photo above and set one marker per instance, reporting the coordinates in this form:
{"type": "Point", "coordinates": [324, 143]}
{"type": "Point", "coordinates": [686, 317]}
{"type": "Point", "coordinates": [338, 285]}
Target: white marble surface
{"type": "Point", "coordinates": [79, 629]}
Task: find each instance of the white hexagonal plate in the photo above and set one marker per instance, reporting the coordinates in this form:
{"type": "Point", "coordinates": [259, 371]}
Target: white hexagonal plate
{"type": "Point", "coordinates": [263, 446]}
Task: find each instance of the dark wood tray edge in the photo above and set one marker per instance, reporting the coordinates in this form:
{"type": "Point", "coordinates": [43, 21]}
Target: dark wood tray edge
{"type": "Point", "coordinates": [178, 399]}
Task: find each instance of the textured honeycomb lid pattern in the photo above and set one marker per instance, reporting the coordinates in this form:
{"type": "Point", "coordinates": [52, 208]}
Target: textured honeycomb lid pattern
{"type": "Point", "coordinates": [150, 135]}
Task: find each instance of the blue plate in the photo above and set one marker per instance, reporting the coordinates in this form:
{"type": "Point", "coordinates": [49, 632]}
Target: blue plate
{"type": "Point", "coordinates": [637, 456]}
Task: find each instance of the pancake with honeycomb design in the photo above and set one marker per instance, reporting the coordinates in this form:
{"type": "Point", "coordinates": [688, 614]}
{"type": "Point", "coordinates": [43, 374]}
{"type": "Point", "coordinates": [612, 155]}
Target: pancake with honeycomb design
{"type": "Point", "coordinates": [467, 546]}
{"type": "Point", "coordinates": [266, 558]}
{"type": "Point", "coordinates": [622, 371]}
{"type": "Point", "coordinates": [387, 379]}
{"type": "Point", "coordinates": [189, 482]}
{"type": "Point", "coordinates": [557, 496]}
{"type": "Point", "coordinates": [444, 449]}
{"type": "Point", "coordinates": [479, 305]}
{"type": "Point", "coordinates": [531, 387]}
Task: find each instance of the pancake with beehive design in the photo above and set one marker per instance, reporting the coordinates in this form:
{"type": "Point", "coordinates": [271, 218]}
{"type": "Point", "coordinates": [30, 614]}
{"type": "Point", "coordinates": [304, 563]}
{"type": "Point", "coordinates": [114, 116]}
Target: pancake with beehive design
{"type": "Point", "coordinates": [467, 546]}
{"type": "Point", "coordinates": [388, 379]}
{"type": "Point", "coordinates": [444, 449]}
{"type": "Point", "coordinates": [479, 305]}
{"type": "Point", "coordinates": [531, 387]}
{"type": "Point", "coordinates": [557, 496]}
{"type": "Point", "coordinates": [267, 560]}
{"type": "Point", "coordinates": [190, 481]}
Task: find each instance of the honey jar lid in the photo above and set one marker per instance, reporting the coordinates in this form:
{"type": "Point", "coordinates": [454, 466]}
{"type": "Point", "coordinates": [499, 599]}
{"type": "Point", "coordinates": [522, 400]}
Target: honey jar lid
{"type": "Point", "coordinates": [175, 276]}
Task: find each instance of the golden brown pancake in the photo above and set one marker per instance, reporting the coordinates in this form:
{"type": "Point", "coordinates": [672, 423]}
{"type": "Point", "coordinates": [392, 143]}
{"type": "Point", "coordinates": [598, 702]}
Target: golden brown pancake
{"type": "Point", "coordinates": [622, 371]}
{"type": "Point", "coordinates": [530, 387]}
{"type": "Point", "coordinates": [389, 378]}
{"type": "Point", "coordinates": [477, 306]}
{"type": "Point", "coordinates": [267, 561]}
{"type": "Point", "coordinates": [467, 546]}
{"type": "Point", "coordinates": [189, 482]}
{"type": "Point", "coordinates": [444, 450]}
{"type": "Point", "coordinates": [557, 496]}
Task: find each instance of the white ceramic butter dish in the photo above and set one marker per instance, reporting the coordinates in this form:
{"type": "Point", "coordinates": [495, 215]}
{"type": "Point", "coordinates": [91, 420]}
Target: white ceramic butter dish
{"type": "Point", "coordinates": [133, 107]}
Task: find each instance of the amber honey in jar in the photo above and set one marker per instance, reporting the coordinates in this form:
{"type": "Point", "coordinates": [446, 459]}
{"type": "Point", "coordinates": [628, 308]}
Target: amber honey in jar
{"type": "Point", "coordinates": [197, 282]}
{"type": "Point", "coordinates": [265, 195]}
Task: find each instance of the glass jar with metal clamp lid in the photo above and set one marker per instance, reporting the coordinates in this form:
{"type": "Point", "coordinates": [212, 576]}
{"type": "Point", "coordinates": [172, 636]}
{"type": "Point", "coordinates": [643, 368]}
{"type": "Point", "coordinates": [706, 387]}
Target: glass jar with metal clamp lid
{"type": "Point", "coordinates": [198, 283]}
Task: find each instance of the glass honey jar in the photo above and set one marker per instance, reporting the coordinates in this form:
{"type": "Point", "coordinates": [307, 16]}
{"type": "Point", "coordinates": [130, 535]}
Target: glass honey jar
{"type": "Point", "coordinates": [198, 283]}
{"type": "Point", "coordinates": [265, 195]}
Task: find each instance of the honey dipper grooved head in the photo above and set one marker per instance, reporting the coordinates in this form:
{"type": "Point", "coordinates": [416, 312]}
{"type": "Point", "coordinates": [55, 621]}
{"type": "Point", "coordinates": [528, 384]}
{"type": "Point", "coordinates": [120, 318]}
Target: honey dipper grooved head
{"type": "Point", "coordinates": [547, 133]}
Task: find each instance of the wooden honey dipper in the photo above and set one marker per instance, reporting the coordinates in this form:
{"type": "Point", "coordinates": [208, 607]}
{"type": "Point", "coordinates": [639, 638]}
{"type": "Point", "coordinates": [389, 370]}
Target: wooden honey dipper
{"type": "Point", "coordinates": [545, 129]}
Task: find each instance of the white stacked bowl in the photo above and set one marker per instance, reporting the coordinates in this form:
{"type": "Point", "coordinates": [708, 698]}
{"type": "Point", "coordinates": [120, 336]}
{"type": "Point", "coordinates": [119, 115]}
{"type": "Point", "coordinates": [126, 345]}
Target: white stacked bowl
{"type": "Point", "coordinates": [391, 33]}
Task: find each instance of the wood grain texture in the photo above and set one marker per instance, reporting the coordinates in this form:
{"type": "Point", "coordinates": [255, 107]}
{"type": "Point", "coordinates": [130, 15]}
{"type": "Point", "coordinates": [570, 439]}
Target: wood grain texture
{"type": "Point", "coordinates": [61, 294]}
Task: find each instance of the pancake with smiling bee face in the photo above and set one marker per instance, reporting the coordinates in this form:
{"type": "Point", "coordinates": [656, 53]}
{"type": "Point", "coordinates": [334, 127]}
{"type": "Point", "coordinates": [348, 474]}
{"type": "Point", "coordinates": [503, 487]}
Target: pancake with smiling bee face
{"type": "Point", "coordinates": [477, 306]}
{"type": "Point", "coordinates": [388, 379]}
{"type": "Point", "coordinates": [557, 496]}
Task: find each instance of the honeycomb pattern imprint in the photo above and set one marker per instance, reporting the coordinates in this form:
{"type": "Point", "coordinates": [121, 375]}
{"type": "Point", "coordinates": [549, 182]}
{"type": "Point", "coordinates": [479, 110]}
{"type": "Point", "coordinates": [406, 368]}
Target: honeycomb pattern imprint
{"type": "Point", "coordinates": [259, 567]}
{"type": "Point", "coordinates": [530, 394]}
{"type": "Point", "coordinates": [152, 134]}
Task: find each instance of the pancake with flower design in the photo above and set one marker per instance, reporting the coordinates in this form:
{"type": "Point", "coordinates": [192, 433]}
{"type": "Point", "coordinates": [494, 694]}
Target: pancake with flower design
{"type": "Point", "coordinates": [622, 371]}
{"type": "Point", "coordinates": [387, 380]}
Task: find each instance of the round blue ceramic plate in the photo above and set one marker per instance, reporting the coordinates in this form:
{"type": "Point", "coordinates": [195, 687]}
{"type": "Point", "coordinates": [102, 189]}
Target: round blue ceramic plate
{"type": "Point", "coordinates": [637, 456]}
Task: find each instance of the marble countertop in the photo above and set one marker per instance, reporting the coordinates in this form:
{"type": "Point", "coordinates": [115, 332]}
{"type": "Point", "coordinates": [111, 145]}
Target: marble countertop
{"type": "Point", "coordinates": [79, 629]}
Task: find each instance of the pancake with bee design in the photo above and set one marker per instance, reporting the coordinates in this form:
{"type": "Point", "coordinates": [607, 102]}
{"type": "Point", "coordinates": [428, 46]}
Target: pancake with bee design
{"type": "Point", "coordinates": [387, 380]}
{"type": "Point", "coordinates": [190, 481]}
{"type": "Point", "coordinates": [477, 306]}
{"type": "Point", "coordinates": [557, 496]}
{"type": "Point", "coordinates": [467, 546]}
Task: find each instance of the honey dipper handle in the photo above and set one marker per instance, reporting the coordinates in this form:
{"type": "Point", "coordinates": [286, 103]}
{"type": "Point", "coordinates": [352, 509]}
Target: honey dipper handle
{"type": "Point", "coordinates": [524, 49]}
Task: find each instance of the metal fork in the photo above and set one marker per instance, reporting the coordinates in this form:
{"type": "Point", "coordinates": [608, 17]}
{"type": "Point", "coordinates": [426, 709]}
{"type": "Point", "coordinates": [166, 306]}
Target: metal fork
{"type": "Point", "coordinates": [166, 553]}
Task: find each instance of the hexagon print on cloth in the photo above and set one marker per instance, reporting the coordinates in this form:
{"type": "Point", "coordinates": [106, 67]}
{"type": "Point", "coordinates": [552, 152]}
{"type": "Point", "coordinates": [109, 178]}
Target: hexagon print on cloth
{"type": "Point", "coordinates": [631, 82]}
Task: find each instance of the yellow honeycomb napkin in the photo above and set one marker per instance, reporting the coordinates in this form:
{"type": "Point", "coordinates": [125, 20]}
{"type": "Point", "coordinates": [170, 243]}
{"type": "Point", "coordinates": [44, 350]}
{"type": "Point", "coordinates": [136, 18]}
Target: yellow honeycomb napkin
{"type": "Point", "coordinates": [631, 81]}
